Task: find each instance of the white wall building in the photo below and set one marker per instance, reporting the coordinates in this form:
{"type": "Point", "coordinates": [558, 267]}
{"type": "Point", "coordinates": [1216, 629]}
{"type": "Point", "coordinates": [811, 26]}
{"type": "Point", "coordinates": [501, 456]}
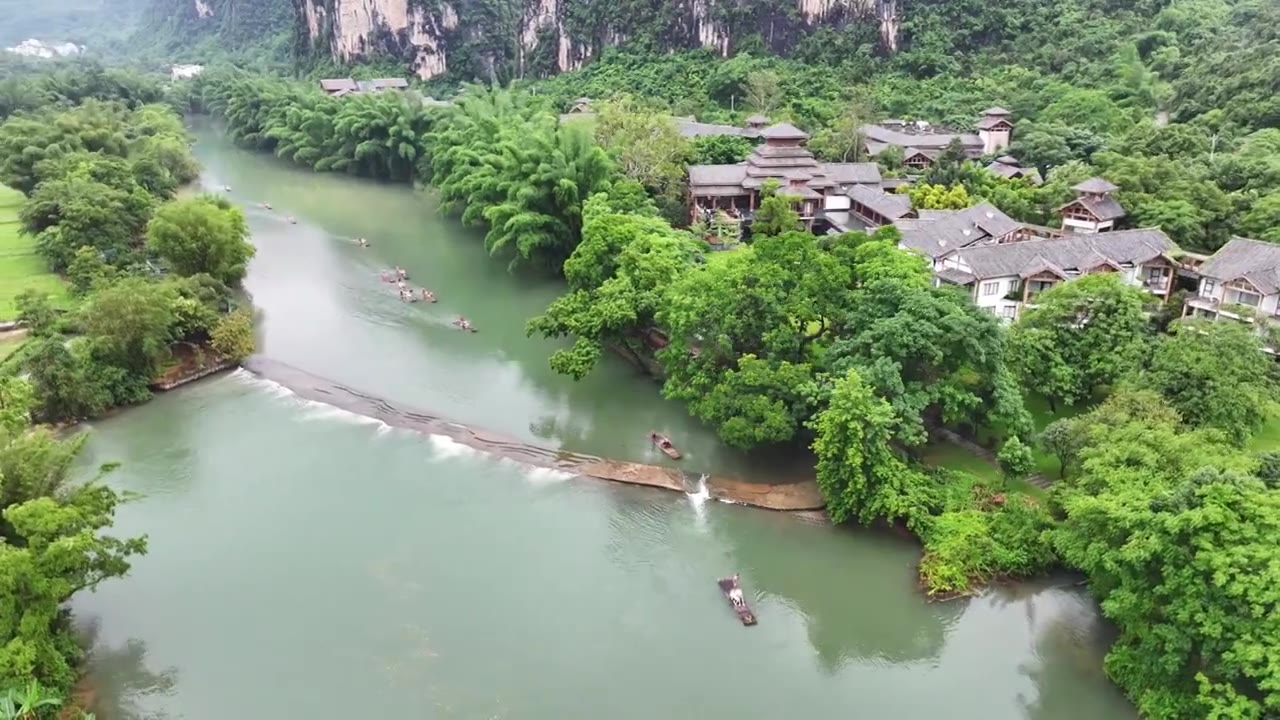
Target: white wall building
{"type": "Point", "coordinates": [185, 72]}
{"type": "Point", "coordinates": [1093, 210]}
{"type": "Point", "coordinates": [1240, 281]}
{"type": "Point", "coordinates": [995, 129]}
{"type": "Point", "coordinates": [1002, 279]}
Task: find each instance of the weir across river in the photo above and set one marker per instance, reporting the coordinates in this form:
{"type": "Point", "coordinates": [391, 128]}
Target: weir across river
{"type": "Point", "coordinates": [794, 496]}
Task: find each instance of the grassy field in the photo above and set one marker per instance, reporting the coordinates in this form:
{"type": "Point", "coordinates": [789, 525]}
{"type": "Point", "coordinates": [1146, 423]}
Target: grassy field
{"type": "Point", "coordinates": [1267, 439]}
{"type": "Point", "coordinates": [953, 457]}
{"type": "Point", "coordinates": [20, 266]}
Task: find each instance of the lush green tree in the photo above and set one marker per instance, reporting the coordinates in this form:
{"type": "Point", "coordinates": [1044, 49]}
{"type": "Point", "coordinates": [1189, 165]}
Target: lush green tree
{"type": "Point", "coordinates": [932, 354]}
{"type": "Point", "coordinates": [772, 304]}
{"type": "Point", "coordinates": [1015, 458]}
{"type": "Point", "coordinates": [938, 197]}
{"type": "Point", "coordinates": [36, 312]}
{"type": "Point", "coordinates": [1215, 375]}
{"type": "Point", "coordinates": [764, 91]}
{"type": "Point", "coordinates": [87, 270]}
{"type": "Point", "coordinates": [1061, 439]}
{"type": "Point", "coordinates": [131, 323]}
{"type": "Point", "coordinates": [777, 212]}
{"type": "Point", "coordinates": [719, 150]}
{"type": "Point", "coordinates": [232, 336]}
{"type": "Point", "coordinates": [842, 140]}
{"type": "Point", "coordinates": [205, 234]}
{"type": "Point", "coordinates": [861, 472]}
{"type": "Point", "coordinates": [1079, 336]}
{"type": "Point", "coordinates": [1263, 220]}
{"type": "Point", "coordinates": [66, 215]}
{"type": "Point", "coordinates": [618, 276]}
{"type": "Point", "coordinates": [64, 384]}
{"type": "Point", "coordinates": [645, 144]}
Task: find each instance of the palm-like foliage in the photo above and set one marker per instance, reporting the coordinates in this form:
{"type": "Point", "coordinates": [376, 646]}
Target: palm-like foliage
{"type": "Point", "coordinates": [495, 157]}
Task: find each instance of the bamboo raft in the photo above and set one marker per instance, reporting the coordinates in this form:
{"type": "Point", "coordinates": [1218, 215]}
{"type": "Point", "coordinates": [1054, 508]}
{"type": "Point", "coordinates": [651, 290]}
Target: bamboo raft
{"type": "Point", "coordinates": [743, 612]}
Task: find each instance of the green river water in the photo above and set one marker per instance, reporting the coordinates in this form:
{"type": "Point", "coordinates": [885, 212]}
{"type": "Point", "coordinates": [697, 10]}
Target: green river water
{"type": "Point", "coordinates": [307, 562]}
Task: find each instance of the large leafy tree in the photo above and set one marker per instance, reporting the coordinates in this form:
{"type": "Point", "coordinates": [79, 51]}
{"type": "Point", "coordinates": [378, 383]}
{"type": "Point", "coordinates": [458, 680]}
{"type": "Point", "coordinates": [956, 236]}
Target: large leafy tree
{"type": "Point", "coordinates": [202, 235]}
{"type": "Point", "coordinates": [1079, 336]}
{"type": "Point", "coordinates": [770, 304]}
{"type": "Point", "coordinates": [861, 472]}
{"type": "Point", "coordinates": [1215, 375]}
{"type": "Point", "coordinates": [645, 144]}
{"type": "Point", "coordinates": [618, 276]}
{"type": "Point", "coordinates": [931, 353]}
{"type": "Point", "coordinates": [131, 323]}
{"type": "Point", "coordinates": [1175, 537]}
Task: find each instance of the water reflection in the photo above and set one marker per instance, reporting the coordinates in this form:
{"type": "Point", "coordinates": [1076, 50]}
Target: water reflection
{"type": "Point", "coordinates": [121, 684]}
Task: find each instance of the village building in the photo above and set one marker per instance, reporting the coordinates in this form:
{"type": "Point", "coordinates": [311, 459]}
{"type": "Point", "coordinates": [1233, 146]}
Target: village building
{"type": "Point", "coordinates": [1008, 167]}
{"type": "Point", "coordinates": [1240, 281]}
{"type": "Point", "coordinates": [782, 157]}
{"type": "Point", "coordinates": [995, 129]}
{"type": "Point", "coordinates": [1004, 278]}
{"type": "Point", "coordinates": [935, 233]}
{"type": "Point", "coordinates": [185, 72]}
{"type": "Point", "coordinates": [921, 143]}
{"type": "Point", "coordinates": [1093, 210]}
{"type": "Point", "coordinates": [341, 87]}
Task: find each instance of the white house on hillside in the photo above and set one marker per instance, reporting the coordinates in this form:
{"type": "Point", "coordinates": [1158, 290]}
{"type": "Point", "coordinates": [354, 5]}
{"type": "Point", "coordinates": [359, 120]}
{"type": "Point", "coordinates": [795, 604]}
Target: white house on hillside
{"type": "Point", "coordinates": [1004, 278]}
{"type": "Point", "coordinates": [1093, 210]}
{"type": "Point", "coordinates": [1241, 279]}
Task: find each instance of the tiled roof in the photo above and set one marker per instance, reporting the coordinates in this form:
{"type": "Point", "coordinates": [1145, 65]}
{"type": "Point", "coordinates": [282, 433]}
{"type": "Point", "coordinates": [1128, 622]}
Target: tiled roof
{"type": "Point", "coordinates": [954, 276]}
{"type": "Point", "coordinates": [990, 121]}
{"type": "Point", "coordinates": [938, 232]}
{"type": "Point", "coordinates": [997, 110]}
{"type": "Point", "coordinates": [783, 131]}
{"type": "Point", "coordinates": [1104, 208]}
{"type": "Point", "coordinates": [1254, 260]}
{"type": "Point", "coordinates": [700, 175]}
{"type": "Point", "coordinates": [887, 136]}
{"type": "Point", "coordinates": [1074, 252]}
{"type": "Point", "coordinates": [335, 84]}
{"type": "Point", "coordinates": [1095, 185]}
{"type": "Point", "coordinates": [890, 205]}
{"type": "Point", "coordinates": [693, 128]}
{"type": "Point", "coordinates": [854, 173]}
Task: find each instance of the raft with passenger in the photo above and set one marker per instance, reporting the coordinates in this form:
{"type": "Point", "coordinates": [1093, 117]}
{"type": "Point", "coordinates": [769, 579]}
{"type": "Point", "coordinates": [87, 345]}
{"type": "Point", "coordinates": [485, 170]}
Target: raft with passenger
{"type": "Point", "coordinates": [464, 325]}
{"type": "Point", "coordinates": [733, 593]}
{"type": "Point", "coordinates": [664, 444]}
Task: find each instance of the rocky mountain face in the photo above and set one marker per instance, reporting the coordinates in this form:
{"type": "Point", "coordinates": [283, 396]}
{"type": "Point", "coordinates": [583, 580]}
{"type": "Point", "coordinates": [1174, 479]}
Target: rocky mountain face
{"type": "Point", "coordinates": [519, 37]}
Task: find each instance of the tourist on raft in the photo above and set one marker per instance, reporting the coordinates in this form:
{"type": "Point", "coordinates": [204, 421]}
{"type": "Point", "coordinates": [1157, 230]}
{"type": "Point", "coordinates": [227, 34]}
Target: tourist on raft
{"type": "Point", "coordinates": [735, 594]}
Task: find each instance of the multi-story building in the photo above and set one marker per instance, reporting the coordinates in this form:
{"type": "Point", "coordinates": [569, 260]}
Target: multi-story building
{"type": "Point", "coordinates": [1093, 210]}
{"type": "Point", "coordinates": [782, 157]}
{"type": "Point", "coordinates": [1004, 278]}
{"type": "Point", "coordinates": [1241, 281]}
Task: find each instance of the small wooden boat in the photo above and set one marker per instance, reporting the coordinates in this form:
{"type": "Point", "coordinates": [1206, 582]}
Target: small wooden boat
{"type": "Point", "coordinates": [744, 613]}
{"type": "Point", "coordinates": [664, 444]}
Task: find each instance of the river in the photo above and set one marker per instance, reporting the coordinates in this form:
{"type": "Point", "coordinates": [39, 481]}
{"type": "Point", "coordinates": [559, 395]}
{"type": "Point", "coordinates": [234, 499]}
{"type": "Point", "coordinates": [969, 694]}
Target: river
{"type": "Point", "coordinates": [309, 562]}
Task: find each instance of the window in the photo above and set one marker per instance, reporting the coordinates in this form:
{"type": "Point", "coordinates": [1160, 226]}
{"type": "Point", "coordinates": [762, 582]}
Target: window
{"type": "Point", "coordinates": [1009, 311]}
{"type": "Point", "coordinates": [990, 288]}
{"type": "Point", "coordinates": [1245, 298]}
{"type": "Point", "coordinates": [1207, 287]}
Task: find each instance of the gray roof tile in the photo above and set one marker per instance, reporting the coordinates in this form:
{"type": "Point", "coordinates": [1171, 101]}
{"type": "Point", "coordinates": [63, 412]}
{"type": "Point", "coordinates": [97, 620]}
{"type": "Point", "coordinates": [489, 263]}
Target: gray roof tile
{"type": "Point", "coordinates": [938, 232]}
{"type": "Point", "coordinates": [1254, 260]}
{"type": "Point", "coordinates": [890, 205]}
{"type": "Point", "coordinates": [1073, 252]}
{"type": "Point", "coordinates": [1095, 185]}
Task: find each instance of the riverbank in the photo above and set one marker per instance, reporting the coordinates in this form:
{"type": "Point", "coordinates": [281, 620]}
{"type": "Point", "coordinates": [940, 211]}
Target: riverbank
{"type": "Point", "coordinates": [791, 497]}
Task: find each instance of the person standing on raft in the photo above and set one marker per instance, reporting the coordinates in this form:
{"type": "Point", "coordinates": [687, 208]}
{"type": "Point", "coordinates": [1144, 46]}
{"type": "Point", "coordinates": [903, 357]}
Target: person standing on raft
{"type": "Point", "coordinates": [735, 594]}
